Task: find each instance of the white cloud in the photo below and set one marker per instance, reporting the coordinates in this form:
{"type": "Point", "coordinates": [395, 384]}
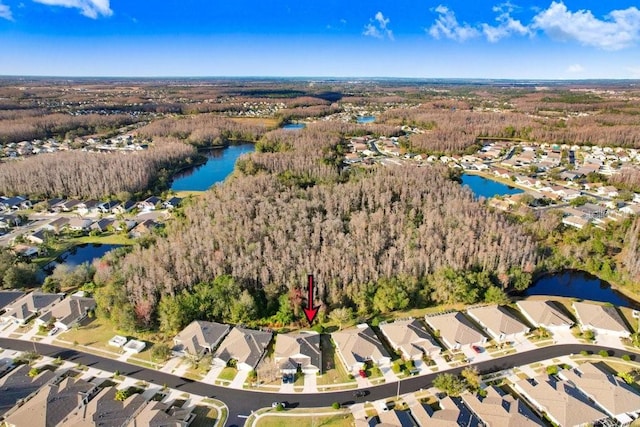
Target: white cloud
{"type": "Point", "coordinates": [5, 12]}
{"type": "Point", "coordinates": [378, 27]}
{"type": "Point", "coordinates": [447, 26]}
{"type": "Point", "coordinates": [506, 24]}
{"type": "Point", "coordinates": [89, 8]}
{"type": "Point", "coordinates": [575, 69]}
{"type": "Point", "coordinates": [619, 29]}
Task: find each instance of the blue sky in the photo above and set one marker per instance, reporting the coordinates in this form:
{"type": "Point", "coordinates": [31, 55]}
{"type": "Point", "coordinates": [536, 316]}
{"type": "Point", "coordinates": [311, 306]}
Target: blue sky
{"type": "Point", "coordinates": [404, 38]}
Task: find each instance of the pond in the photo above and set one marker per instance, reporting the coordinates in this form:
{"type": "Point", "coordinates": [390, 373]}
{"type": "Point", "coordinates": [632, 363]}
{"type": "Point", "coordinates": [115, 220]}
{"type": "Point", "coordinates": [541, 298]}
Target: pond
{"type": "Point", "coordinates": [79, 254]}
{"type": "Point", "coordinates": [220, 163]}
{"type": "Point", "coordinates": [579, 284]}
{"type": "Point", "coordinates": [365, 119]}
{"type": "Point", "coordinates": [487, 188]}
{"type": "Point", "coordinates": [294, 126]}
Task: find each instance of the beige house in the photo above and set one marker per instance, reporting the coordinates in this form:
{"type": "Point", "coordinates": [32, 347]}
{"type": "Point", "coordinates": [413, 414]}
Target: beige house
{"type": "Point", "coordinates": [601, 319]}
{"type": "Point", "coordinates": [68, 312]}
{"type": "Point", "coordinates": [245, 346]}
{"type": "Point", "coordinates": [499, 323]}
{"type": "Point", "coordinates": [448, 415]}
{"type": "Point", "coordinates": [200, 337]}
{"type": "Point", "coordinates": [456, 331]}
{"type": "Point", "coordinates": [501, 410]}
{"type": "Point", "coordinates": [158, 414]}
{"type": "Point", "coordinates": [616, 397]}
{"type": "Point", "coordinates": [298, 350]}
{"type": "Point", "coordinates": [30, 305]}
{"type": "Point", "coordinates": [358, 345]}
{"type": "Point", "coordinates": [104, 409]}
{"type": "Point", "coordinates": [17, 385]}
{"type": "Point", "coordinates": [52, 405]}
{"type": "Point", "coordinates": [545, 314]}
{"type": "Point", "coordinates": [410, 338]}
{"type": "Point", "coordinates": [563, 403]}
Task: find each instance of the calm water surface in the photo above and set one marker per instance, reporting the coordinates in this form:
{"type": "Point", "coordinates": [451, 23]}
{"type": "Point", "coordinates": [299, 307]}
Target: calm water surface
{"type": "Point", "coordinates": [219, 165]}
{"type": "Point", "coordinates": [487, 188]}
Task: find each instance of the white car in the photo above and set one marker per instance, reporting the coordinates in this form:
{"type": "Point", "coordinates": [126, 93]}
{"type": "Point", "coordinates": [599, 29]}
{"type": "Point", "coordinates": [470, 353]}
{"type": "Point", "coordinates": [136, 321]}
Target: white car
{"type": "Point", "coordinates": [53, 331]}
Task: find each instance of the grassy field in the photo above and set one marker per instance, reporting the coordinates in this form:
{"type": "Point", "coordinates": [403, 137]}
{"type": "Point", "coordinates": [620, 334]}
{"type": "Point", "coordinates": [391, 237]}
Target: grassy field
{"type": "Point", "coordinates": [274, 420]}
{"type": "Point", "coordinates": [228, 374]}
{"type": "Point", "coordinates": [334, 372]}
{"type": "Point", "coordinates": [268, 122]}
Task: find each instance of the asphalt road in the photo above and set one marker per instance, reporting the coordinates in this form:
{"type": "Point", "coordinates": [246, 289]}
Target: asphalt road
{"type": "Point", "coordinates": [242, 402]}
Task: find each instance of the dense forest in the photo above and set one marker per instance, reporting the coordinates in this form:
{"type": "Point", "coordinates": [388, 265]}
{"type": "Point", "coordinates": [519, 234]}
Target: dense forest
{"type": "Point", "coordinates": [92, 174]}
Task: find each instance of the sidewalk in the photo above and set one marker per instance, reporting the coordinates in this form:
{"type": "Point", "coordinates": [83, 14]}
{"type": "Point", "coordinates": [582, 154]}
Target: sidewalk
{"type": "Point", "coordinates": [239, 380]}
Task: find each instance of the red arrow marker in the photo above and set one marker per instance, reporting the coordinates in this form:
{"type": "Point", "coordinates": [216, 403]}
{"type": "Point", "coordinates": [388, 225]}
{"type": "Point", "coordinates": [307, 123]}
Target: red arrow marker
{"type": "Point", "coordinates": [310, 311]}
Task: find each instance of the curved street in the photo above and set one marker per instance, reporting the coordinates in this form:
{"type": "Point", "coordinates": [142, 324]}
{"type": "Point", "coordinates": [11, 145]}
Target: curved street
{"type": "Point", "coordinates": [242, 402]}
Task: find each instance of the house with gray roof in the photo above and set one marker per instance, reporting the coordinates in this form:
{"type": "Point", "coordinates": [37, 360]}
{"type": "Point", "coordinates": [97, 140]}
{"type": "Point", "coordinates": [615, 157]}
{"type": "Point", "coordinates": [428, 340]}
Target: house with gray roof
{"type": "Point", "coordinates": [200, 337]}
{"type": "Point", "coordinates": [245, 346]}
{"type": "Point", "coordinates": [298, 350]}
{"type": "Point", "coordinates": [358, 345]}
{"type": "Point", "coordinates": [396, 418]}
{"type": "Point", "coordinates": [8, 297]}
{"type": "Point", "coordinates": [29, 306]}
{"type": "Point", "coordinates": [561, 401]}
{"type": "Point", "coordinates": [105, 411]}
{"type": "Point", "coordinates": [160, 414]}
{"type": "Point", "coordinates": [500, 409]}
{"type": "Point", "coordinates": [410, 338]}
{"type": "Point", "coordinates": [68, 312]}
{"type": "Point", "coordinates": [602, 319]}
{"type": "Point", "coordinates": [17, 386]}
{"type": "Point", "coordinates": [618, 399]}
{"type": "Point", "coordinates": [456, 331]}
{"type": "Point", "coordinates": [448, 415]}
{"type": "Point", "coordinates": [52, 404]}
{"type": "Point", "coordinates": [545, 314]}
{"type": "Point", "coordinates": [499, 323]}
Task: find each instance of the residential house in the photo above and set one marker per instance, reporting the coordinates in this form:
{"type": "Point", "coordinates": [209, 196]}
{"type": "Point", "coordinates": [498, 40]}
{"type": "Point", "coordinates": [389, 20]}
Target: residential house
{"type": "Point", "coordinates": [592, 211]}
{"type": "Point", "coordinates": [631, 209]}
{"type": "Point", "coordinates": [455, 330]}
{"type": "Point", "coordinates": [172, 203]}
{"type": "Point", "coordinates": [561, 401]}
{"type": "Point", "coordinates": [451, 413]}
{"type": "Point", "coordinates": [125, 207]}
{"type": "Point", "coordinates": [68, 205]}
{"type": "Point", "coordinates": [105, 411]}
{"type": "Point", "coordinates": [38, 237]}
{"type": "Point", "coordinates": [501, 410]}
{"type": "Point", "coordinates": [70, 311]}
{"type": "Point", "coordinates": [618, 399]}
{"type": "Point", "coordinates": [58, 224]}
{"type": "Point", "coordinates": [108, 206]}
{"type": "Point", "coordinates": [396, 418]}
{"type": "Point", "coordinates": [16, 386]}
{"type": "Point", "coordinates": [159, 414]}
{"type": "Point", "coordinates": [25, 251]}
{"type": "Point", "coordinates": [8, 297]}
{"type": "Point", "coordinates": [15, 203]}
{"type": "Point", "coordinates": [103, 225]}
{"type": "Point", "coordinates": [52, 404]}
{"type": "Point", "coordinates": [30, 305]}
{"type": "Point", "coordinates": [501, 324]}
{"type": "Point", "coordinates": [143, 228]}
{"type": "Point", "coordinates": [149, 203]}
{"type": "Point", "coordinates": [200, 337]}
{"type": "Point", "coordinates": [298, 351]}
{"type": "Point", "coordinates": [126, 225]}
{"type": "Point", "coordinates": [90, 206]}
{"type": "Point", "coordinates": [80, 224]}
{"type": "Point", "coordinates": [575, 221]}
{"type": "Point", "coordinates": [244, 346]}
{"type": "Point", "coordinates": [358, 345]}
{"type": "Point", "coordinates": [502, 173]}
{"type": "Point", "coordinates": [608, 191]}
{"type": "Point", "coordinates": [410, 338]}
{"type": "Point", "coordinates": [545, 314]}
{"type": "Point", "coordinates": [602, 319]}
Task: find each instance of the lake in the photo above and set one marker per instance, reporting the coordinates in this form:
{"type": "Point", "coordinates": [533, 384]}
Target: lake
{"type": "Point", "coordinates": [579, 284]}
{"type": "Point", "coordinates": [294, 126]}
{"type": "Point", "coordinates": [487, 188]}
{"type": "Point", "coordinates": [220, 163]}
{"type": "Point", "coordinates": [365, 119]}
{"type": "Point", "coordinates": [79, 254]}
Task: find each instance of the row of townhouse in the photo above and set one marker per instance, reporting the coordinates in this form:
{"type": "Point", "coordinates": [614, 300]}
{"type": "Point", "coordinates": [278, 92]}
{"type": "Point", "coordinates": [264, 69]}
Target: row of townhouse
{"type": "Point", "coordinates": [47, 308]}
{"type": "Point", "coordinates": [51, 399]}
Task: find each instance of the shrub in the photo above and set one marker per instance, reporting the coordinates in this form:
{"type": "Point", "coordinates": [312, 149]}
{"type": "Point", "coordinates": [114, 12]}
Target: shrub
{"type": "Point", "coordinates": [33, 372]}
{"type": "Point", "coordinates": [626, 357]}
{"type": "Point", "coordinates": [603, 353]}
{"type": "Point", "coordinates": [335, 405]}
{"type": "Point", "coordinates": [552, 370]}
{"type": "Point", "coordinates": [279, 407]}
{"type": "Point", "coordinates": [584, 353]}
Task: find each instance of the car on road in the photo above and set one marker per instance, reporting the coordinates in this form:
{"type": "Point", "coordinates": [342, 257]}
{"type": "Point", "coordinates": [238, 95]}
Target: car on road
{"type": "Point", "coordinates": [476, 348]}
{"type": "Point", "coordinates": [360, 393]}
{"type": "Point", "coordinates": [276, 404]}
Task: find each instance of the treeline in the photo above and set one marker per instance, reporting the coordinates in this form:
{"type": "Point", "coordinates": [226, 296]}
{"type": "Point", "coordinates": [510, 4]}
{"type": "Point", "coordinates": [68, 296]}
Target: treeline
{"type": "Point", "coordinates": [631, 253]}
{"type": "Point", "coordinates": [31, 125]}
{"type": "Point", "coordinates": [400, 225]}
{"type": "Point", "coordinates": [203, 130]}
{"type": "Point", "coordinates": [91, 174]}
{"type": "Point", "coordinates": [628, 178]}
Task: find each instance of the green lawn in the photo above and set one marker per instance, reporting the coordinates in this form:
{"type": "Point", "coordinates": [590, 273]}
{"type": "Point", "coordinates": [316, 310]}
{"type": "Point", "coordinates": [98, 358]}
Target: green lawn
{"type": "Point", "coordinates": [228, 374]}
{"type": "Point", "coordinates": [274, 420]}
